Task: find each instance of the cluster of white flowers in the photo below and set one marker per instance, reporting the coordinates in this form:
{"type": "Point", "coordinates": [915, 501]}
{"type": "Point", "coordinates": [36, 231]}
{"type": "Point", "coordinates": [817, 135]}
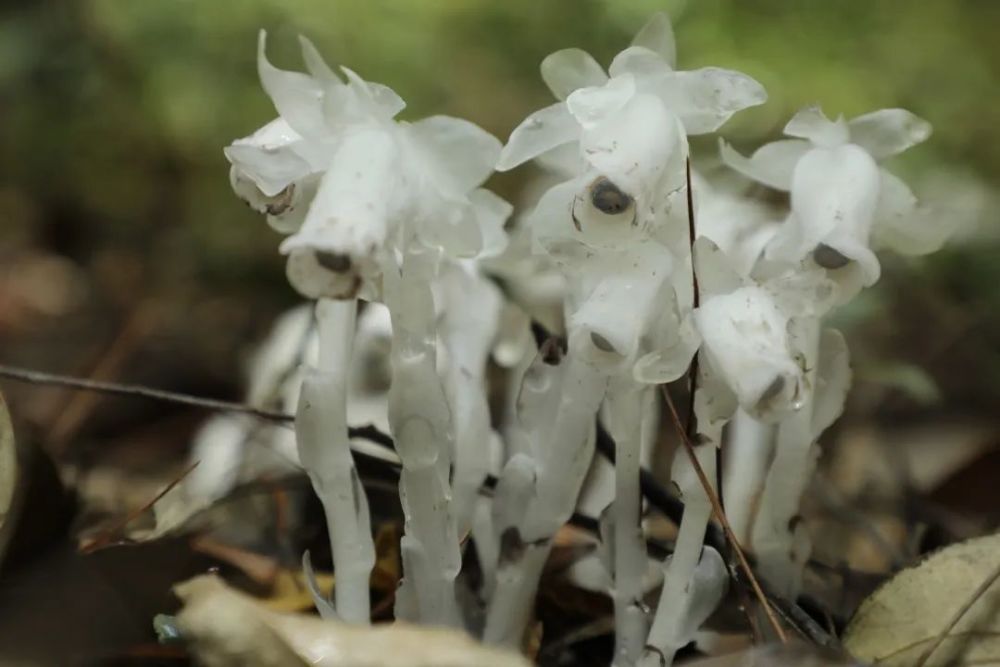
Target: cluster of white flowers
{"type": "Point", "coordinates": [392, 213]}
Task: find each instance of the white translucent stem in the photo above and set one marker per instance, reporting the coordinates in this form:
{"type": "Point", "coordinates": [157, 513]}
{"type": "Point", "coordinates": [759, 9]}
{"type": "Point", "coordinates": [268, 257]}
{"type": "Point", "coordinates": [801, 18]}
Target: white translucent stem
{"type": "Point", "coordinates": [779, 541]}
{"type": "Point", "coordinates": [420, 421]}
{"type": "Point", "coordinates": [510, 608]}
{"type": "Point", "coordinates": [472, 441]}
{"type": "Point", "coordinates": [468, 325]}
{"type": "Point", "coordinates": [626, 409]}
{"type": "Point", "coordinates": [324, 449]}
{"type": "Point", "coordinates": [671, 624]}
{"type": "Point", "coordinates": [747, 453]}
{"type": "Point", "coordinates": [562, 454]}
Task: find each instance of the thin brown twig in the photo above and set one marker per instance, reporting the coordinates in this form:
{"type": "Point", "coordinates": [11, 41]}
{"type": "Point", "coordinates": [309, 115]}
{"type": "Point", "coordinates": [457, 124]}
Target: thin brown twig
{"type": "Point", "coordinates": [721, 518]}
{"type": "Point", "coordinates": [978, 593]}
{"type": "Point", "coordinates": [368, 432]}
{"type": "Point", "coordinates": [40, 377]}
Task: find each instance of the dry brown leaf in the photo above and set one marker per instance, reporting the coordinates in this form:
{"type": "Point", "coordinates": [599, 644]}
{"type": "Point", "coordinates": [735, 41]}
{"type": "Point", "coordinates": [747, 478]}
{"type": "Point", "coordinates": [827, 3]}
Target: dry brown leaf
{"type": "Point", "coordinates": [227, 628]}
{"type": "Point", "coordinates": [901, 621]}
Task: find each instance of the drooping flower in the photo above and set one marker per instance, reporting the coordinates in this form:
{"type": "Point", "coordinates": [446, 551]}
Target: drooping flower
{"type": "Point", "coordinates": [350, 183]}
{"type": "Point", "coordinates": [752, 337]}
{"type": "Point", "coordinates": [615, 227]}
{"type": "Point", "coordinates": [843, 205]}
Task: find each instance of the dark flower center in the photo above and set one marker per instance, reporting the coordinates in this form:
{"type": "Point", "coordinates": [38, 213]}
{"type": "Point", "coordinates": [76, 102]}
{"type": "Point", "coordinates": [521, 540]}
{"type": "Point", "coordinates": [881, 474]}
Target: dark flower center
{"type": "Point", "coordinates": [608, 198]}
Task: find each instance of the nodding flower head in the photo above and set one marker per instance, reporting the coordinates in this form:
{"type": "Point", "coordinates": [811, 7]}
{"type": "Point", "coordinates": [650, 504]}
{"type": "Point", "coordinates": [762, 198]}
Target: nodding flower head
{"type": "Point", "coordinates": [751, 331]}
{"type": "Point", "coordinates": [844, 205]}
{"type": "Point", "coordinates": [350, 183]}
{"type": "Point", "coordinates": [622, 134]}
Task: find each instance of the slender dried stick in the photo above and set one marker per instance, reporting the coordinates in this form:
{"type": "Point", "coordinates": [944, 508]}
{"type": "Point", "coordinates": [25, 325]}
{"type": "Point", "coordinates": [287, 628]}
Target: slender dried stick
{"type": "Point", "coordinates": [367, 432]}
{"type": "Point", "coordinates": [720, 516]}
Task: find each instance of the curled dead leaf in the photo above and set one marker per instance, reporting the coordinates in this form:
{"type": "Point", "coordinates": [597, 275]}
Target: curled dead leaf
{"type": "Point", "coordinates": [226, 628]}
{"type": "Point", "coordinates": [904, 619]}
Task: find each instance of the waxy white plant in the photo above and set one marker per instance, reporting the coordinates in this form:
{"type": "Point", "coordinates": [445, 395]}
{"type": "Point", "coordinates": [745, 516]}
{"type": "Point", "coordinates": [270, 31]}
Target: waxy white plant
{"type": "Point", "coordinates": [843, 207]}
{"type": "Point", "coordinates": [364, 197]}
{"type": "Point", "coordinates": [385, 210]}
{"type": "Point", "coordinates": [618, 230]}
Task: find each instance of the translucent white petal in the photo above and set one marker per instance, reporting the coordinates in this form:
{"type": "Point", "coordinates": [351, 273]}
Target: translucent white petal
{"type": "Point", "coordinates": [640, 62]}
{"type": "Point", "coordinates": [569, 69]}
{"type": "Point", "coordinates": [673, 342]}
{"type": "Point", "coordinates": [316, 65]}
{"type": "Point", "coordinates": [552, 217]}
{"type": "Point", "coordinates": [808, 292]}
{"type": "Point", "coordinates": [296, 96]}
{"type": "Point", "coordinates": [591, 106]}
{"type": "Point", "coordinates": [492, 212]}
{"type": "Point", "coordinates": [459, 155]}
{"type": "Point", "coordinates": [641, 149]}
{"type": "Point", "coordinates": [772, 164]}
{"type": "Point", "coordinates": [716, 274]}
{"type": "Point", "coordinates": [887, 132]}
{"type": "Point", "coordinates": [741, 227]}
{"type": "Point", "coordinates": [904, 226]}
{"type": "Point", "coordinates": [705, 99]}
{"type": "Point", "coordinates": [812, 124]}
{"type": "Point", "coordinates": [288, 217]}
{"type": "Point", "coordinates": [336, 250]}
{"type": "Point", "coordinates": [541, 131]}
{"type": "Point", "coordinates": [897, 207]}
{"type": "Point", "coordinates": [276, 134]}
{"type": "Point", "coordinates": [451, 226]}
{"type": "Point", "coordinates": [746, 336]}
{"type": "Point", "coordinates": [714, 405]}
{"type": "Point", "coordinates": [564, 160]}
{"type": "Point", "coordinates": [625, 300]}
{"type": "Point", "coordinates": [707, 589]}
{"type": "Point", "coordinates": [833, 380]}
{"type": "Point", "coordinates": [834, 196]}
{"type": "Point", "coordinates": [658, 36]}
{"type": "Point", "coordinates": [379, 98]}
{"type": "Point", "coordinates": [270, 170]}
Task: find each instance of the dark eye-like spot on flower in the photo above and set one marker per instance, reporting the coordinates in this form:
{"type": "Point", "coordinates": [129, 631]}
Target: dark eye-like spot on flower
{"type": "Point", "coordinates": [829, 258]}
{"type": "Point", "coordinates": [333, 261]}
{"type": "Point", "coordinates": [609, 198]}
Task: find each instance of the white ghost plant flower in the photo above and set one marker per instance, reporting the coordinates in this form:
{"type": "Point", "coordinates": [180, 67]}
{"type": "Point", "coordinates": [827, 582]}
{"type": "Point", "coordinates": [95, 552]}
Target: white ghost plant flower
{"type": "Point", "coordinates": [338, 172]}
{"type": "Point", "coordinates": [613, 227]}
{"type": "Point", "coordinates": [843, 204]}
{"type": "Point", "coordinates": [750, 336]}
{"type": "Point", "coordinates": [741, 227]}
{"type": "Point", "coordinates": [702, 100]}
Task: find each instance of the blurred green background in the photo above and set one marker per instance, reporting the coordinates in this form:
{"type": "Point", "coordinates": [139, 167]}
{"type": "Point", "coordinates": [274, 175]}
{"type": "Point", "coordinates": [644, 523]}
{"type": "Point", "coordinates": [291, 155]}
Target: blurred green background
{"type": "Point", "coordinates": [114, 190]}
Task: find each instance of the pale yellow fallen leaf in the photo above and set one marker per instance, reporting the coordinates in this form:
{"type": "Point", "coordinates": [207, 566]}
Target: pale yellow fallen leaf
{"type": "Point", "coordinates": [9, 473]}
{"type": "Point", "coordinates": [898, 623]}
{"type": "Point", "coordinates": [226, 628]}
